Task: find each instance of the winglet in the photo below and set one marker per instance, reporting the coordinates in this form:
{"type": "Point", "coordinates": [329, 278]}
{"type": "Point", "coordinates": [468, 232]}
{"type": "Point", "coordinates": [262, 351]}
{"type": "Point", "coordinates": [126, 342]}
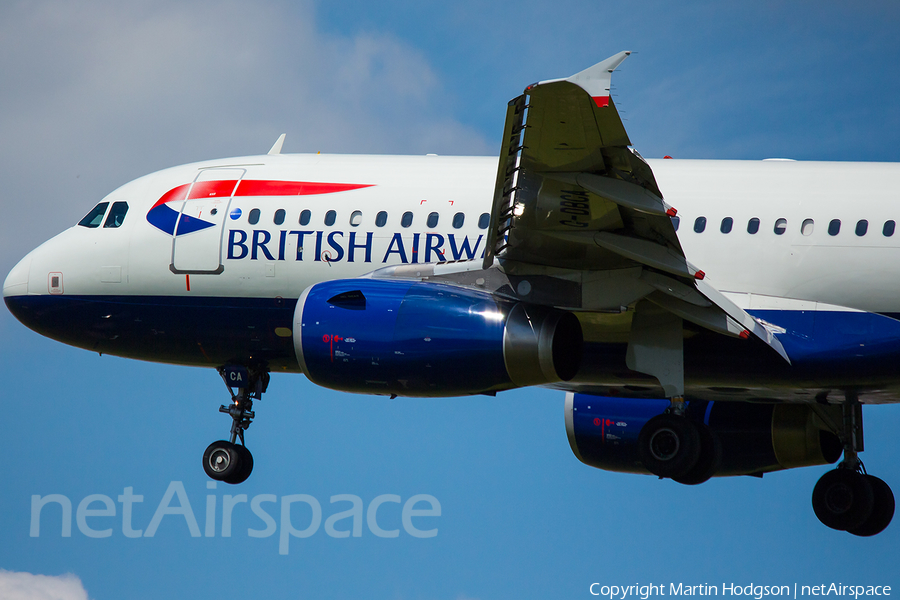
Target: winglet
{"type": "Point", "coordinates": [596, 80]}
{"type": "Point", "coordinates": [276, 147]}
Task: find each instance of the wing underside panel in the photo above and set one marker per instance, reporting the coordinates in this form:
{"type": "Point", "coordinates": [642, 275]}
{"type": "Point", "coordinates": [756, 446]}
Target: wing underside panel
{"type": "Point", "coordinates": [574, 201]}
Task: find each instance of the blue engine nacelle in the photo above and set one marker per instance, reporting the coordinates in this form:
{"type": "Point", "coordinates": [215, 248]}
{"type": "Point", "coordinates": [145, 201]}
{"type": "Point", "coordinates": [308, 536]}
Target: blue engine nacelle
{"type": "Point", "coordinates": [754, 438]}
{"type": "Point", "coordinates": [414, 338]}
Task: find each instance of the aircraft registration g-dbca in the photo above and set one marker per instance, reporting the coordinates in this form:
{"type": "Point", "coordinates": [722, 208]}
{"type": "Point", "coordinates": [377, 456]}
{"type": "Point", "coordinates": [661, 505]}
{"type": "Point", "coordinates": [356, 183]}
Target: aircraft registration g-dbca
{"type": "Point", "coordinates": [737, 335]}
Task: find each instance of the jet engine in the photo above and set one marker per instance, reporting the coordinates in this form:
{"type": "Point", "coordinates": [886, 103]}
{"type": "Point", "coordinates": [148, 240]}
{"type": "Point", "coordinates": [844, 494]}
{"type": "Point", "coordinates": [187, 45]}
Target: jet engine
{"type": "Point", "coordinates": [413, 338]}
{"type": "Point", "coordinates": [751, 438]}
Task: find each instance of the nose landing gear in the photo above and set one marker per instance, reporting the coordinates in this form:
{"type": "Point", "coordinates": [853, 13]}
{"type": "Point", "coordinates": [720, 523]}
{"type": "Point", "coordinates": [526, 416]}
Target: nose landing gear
{"type": "Point", "coordinates": [226, 460]}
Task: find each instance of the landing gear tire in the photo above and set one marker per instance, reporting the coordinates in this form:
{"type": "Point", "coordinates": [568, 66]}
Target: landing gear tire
{"type": "Point", "coordinates": [246, 466]}
{"type": "Point", "coordinates": [222, 461]}
{"type": "Point", "coordinates": [669, 445]}
{"type": "Point", "coordinates": [882, 510]}
{"type": "Point", "coordinates": [709, 460]}
{"type": "Point", "coordinates": [843, 499]}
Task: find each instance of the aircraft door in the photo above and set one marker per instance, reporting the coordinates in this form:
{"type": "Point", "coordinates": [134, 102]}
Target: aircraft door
{"type": "Point", "coordinates": [197, 242]}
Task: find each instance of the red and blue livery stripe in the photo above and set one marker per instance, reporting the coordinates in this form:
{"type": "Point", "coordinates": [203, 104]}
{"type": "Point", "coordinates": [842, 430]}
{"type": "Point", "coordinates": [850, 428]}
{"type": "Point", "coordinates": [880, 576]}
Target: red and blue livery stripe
{"type": "Point", "coordinates": [165, 218]}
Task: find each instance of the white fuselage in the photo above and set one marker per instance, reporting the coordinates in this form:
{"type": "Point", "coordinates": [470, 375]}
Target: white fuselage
{"type": "Point", "coordinates": [259, 249]}
{"type": "Point", "coordinates": [803, 263]}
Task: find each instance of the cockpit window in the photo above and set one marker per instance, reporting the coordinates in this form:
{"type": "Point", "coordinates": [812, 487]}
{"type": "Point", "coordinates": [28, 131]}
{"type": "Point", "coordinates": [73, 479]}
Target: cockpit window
{"type": "Point", "coordinates": [116, 215]}
{"type": "Point", "coordinates": [95, 217]}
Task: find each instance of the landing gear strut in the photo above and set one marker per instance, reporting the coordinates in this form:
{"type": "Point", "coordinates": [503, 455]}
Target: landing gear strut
{"type": "Point", "coordinates": [848, 498]}
{"type": "Point", "coordinates": [226, 460]}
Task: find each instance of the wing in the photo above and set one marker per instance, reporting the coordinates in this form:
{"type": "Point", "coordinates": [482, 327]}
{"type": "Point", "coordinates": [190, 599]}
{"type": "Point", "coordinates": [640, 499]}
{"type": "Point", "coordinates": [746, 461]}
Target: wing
{"type": "Point", "coordinates": [575, 203]}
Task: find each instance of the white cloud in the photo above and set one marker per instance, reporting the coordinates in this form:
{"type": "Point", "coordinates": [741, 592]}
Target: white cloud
{"type": "Point", "coordinates": [26, 586]}
{"type": "Point", "coordinates": [97, 93]}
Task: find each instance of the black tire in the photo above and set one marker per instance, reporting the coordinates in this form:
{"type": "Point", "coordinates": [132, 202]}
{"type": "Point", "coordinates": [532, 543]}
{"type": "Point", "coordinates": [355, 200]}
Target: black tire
{"type": "Point", "coordinates": [669, 445]}
{"type": "Point", "coordinates": [243, 473]}
{"type": "Point", "coordinates": [843, 499]}
{"type": "Point", "coordinates": [709, 460]}
{"type": "Point", "coordinates": [882, 511]}
{"type": "Point", "coordinates": [221, 460]}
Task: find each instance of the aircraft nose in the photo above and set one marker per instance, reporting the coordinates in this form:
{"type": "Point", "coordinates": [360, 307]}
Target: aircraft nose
{"type": "Point", "coordinates": [16, 283]}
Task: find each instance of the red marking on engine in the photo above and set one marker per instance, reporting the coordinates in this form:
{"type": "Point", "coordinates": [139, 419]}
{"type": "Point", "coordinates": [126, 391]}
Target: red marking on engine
{"type": "Point", "coordinates": [597, 421]}
{"type": "Point", "coordinates": [330, 340]}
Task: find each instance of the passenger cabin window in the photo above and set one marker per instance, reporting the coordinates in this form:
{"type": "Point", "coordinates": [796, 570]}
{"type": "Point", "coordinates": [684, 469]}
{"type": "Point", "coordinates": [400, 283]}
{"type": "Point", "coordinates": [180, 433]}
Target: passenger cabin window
{"type": "Point", "coordinates": [484, 220]}
{"type": "Point", "coordinates": [95, 217]}
{"type": "Point", "coordinates": [279, 216]}
{"type": "Point", "coordinates": [780, 226]}
{"type": "Point", "coordinates": [834, 227]}
{"type": "Point", "coordinates": [406, 219]}
{"type": "Point", "coordinates": [356, 218]}
{"type": "Point", "coordinates": [116, 215]}
{"type": "Point", "coordinates": [888, 229]}
{"type": "Point", "coordinates": [862, 226]}
{"type": "Point", "coordinates": [432, 220]}
{"type": "Point", "coordinates": [806, 228]}
{"type": "Point", "coordinates": [700, 224]}
{"type": "Point", "coordinates": [727, 224]}
{"type": "Point", "coordinates": [330, 216]}
{"type": "Point", "coordinates": [381, 219]}
{"type": "Point", "coordinates": [304, 217]}
{"type": "Point", "coordinates": [753, 226]}
{"type": "Point", "coordinates": [253, 217]}
{"type": "Point", "coordinates": [676, 221]}
{"type": "Point", "coordinates": [458, 220]}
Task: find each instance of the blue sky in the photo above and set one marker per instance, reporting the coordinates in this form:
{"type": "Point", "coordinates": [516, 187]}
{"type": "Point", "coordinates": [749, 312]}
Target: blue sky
{"type": "Point", "coordinates": [95, 95]}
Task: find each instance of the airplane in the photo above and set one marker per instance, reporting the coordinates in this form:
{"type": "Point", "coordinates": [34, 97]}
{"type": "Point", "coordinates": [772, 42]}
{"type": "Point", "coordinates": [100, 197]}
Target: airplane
{"type": "Point", "coordinates": [704, 318]}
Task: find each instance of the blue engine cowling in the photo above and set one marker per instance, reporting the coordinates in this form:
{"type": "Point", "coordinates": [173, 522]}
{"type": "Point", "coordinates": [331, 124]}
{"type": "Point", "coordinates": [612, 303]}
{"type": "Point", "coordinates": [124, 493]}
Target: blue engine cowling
{"type": "Point", "coordinates": [754, 438]}
{"type": "Point", "coordinates": [414, 338]}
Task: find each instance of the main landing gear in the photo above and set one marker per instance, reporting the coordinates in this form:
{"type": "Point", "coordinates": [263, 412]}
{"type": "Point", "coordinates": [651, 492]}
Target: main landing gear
{"type": "Point", "coordinates": [671, 445]}
{"type": "Point", "coordinates": [848, 498]}
{"type": "Point", "coordinates": [225, 460]}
